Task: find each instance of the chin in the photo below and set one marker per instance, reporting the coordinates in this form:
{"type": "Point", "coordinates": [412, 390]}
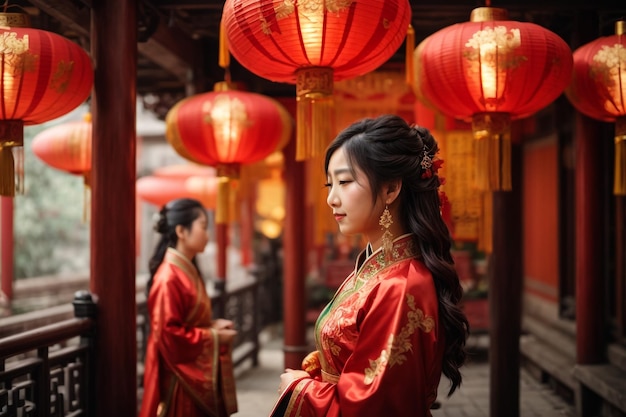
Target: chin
{"type": "Point", "coordinates": [346, 231]}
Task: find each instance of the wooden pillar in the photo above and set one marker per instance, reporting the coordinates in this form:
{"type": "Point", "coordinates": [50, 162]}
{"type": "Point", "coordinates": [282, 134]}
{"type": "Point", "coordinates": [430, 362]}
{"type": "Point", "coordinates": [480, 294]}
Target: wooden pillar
{"type": "Point", "coordinates": [620, 264]}
{"type": "Point", "coordinates": [505, 296]}
{"type": "Point", "coordinates": [294, 256]}
{"type": "Point", "coordinates": [6, 245]}
{"type": "Point", "coordinates": [590, 328]}
{"type": "Point", "coordinates": [114, 51]}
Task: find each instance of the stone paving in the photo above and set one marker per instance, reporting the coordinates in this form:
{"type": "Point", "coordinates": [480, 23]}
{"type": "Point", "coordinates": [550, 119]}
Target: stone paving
{"type": "Point", "coordinates": [256, 388]}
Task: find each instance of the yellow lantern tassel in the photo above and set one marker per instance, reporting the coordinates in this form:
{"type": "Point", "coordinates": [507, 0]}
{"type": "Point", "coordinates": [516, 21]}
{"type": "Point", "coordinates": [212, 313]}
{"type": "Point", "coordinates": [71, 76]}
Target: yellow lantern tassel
{"type": "Point", "coordinates": [7, 173]}
{"type": "Point", "coordinates": [492, 136]}
{"type": "Point", "coordinates": [224, 53]}
{"type": "Point", "coordinates": [234, 203]}
{"type": "Point", "coordinates": [225, 173]}
{"type": "Point", "coordinates": [314, 112]}
{"type": "Point", "coordinates": [86, 197]}
{"type": "Point", "coordinates": [18, 158]}
{"type": "Point", "coordinates": [223, 199]}
{"type": "Point", "coordinates": [11, 157]}
{"type": "Point", "coordinates": [324, 222]}
{"type": "Point", "coordinates": [410, 47]}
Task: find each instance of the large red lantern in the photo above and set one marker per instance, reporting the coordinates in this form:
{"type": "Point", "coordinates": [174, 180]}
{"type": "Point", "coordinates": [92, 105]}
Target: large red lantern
{"type": "Point", "coordinates": [159, 190]}
{"type": "Point", "coordinates": [224, 129]}
{"type": "Point", "coordinates": [311, 44]}
{"type": "Point", "coordinates": [44, 76]}
{"type": "Point", "coordinates": [598, 89]}
{"type": "Point", "coordinates": [490, 71]}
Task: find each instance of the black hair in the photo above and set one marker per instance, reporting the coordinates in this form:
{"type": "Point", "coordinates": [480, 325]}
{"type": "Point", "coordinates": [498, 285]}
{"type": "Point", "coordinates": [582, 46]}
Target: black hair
{"type": "Point", "coordinates": [180, 212]}
{"type": "Point", "coordinates": [386, 149]}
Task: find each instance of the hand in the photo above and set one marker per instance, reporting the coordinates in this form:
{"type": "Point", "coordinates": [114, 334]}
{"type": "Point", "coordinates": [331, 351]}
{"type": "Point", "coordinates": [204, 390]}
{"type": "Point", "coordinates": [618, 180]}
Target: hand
{"type": "Point", "coordinates": [289, 376]}
{"type": "Point", "coordinates": [226, 336]}
{"type": "Point", "coordinates": [220, 324]}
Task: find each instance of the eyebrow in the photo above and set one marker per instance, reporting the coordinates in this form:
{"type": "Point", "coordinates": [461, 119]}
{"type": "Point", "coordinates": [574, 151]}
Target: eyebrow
{"type": "Point", "coordinates": [342, 171]}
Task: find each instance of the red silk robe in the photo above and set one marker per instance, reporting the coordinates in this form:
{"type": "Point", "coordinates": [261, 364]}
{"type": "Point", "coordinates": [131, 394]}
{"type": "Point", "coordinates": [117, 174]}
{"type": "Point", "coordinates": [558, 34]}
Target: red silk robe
{"type": "Point", "coordinates": [187, 373]}
{"type": "Point", "coordinates": [379, 344]}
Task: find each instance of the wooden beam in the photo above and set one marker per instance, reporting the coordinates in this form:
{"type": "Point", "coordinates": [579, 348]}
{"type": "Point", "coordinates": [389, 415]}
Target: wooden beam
{"type": "Point", "coordinates": [168, 47]}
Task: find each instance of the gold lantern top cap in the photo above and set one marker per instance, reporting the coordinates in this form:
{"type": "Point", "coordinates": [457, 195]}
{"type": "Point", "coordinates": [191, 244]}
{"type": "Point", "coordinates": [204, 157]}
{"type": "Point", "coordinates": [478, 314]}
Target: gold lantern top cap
{"type": "Point", "coordinates": [14, 20]}
{"type": "Point", "coordinates": [486, 14]}
{"type": "Point", "coordinates": [228, 86]}
{"type": "Point", "coordinates": [620, 27]}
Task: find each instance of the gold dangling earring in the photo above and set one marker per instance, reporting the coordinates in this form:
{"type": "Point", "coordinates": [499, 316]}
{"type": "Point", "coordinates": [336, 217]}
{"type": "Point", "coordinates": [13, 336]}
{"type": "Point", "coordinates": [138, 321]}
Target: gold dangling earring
{"type": "Point", "coordinates": [387, 239]}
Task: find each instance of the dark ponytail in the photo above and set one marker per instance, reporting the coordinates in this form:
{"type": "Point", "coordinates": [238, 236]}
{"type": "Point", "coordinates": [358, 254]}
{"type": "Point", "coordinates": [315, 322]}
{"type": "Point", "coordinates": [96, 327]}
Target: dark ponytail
{"type": "Point", "coordinates": [180, 212]}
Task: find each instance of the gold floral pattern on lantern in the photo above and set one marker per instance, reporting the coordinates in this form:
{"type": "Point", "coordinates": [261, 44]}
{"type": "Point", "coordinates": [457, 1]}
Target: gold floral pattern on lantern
{"type": "Point", "coordinates": [609, 66]}
{"type": "Point", "coordinates": [491, 54]}
{"type": "Point", "coordinates": [306, 8]}
{"type": "Point", "coordinates": [61, 76]}
{"type": "Point", "coordinates": [10, 44]}
{"type": "Point", "coordinates": [15, 53]}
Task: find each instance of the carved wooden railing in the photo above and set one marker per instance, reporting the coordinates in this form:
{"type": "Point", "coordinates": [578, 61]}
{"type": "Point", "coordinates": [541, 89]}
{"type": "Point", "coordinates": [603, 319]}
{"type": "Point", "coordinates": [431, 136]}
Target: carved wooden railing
{"type": "Point", "coordinates": [48, 370]}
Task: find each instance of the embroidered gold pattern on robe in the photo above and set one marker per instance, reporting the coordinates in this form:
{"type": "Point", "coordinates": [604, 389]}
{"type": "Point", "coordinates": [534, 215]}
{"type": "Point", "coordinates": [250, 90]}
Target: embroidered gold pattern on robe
{"type": "Point", "coordinates": [397, 347]}
{"type": "Point", "coordinates": [384, 314]}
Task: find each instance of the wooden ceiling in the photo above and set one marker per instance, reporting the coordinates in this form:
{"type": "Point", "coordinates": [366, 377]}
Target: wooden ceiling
{"type": "Point", "coordinates": [178, 38]}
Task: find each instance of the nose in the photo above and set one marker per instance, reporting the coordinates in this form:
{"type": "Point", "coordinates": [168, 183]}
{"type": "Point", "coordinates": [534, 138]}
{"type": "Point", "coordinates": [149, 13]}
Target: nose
{"type": "Point", "coordinates": [332, 200]}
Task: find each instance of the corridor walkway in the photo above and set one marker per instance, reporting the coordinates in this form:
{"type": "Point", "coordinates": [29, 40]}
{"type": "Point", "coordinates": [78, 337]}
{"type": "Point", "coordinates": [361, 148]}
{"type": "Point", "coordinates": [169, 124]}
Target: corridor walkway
{"type": "Point", "coordinates": [256, 387]}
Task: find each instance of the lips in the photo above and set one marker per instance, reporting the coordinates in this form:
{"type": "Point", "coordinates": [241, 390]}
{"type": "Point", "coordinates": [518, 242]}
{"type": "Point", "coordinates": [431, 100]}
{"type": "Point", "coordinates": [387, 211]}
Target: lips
{"type": "Point", "coordinates": [339, 216]}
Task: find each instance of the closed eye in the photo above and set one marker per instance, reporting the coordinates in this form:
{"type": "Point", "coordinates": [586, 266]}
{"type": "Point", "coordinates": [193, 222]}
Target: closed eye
{"type": "Point", "coordinates": [328, 184]}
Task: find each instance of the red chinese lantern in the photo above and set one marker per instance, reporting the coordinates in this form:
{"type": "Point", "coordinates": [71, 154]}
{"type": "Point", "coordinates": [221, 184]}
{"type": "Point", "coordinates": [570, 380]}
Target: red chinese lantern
{"type": "Point", "coordinates": [44, 76]}
{"type": "Point", "coordinates": [224, 129]}
{"type": "Point", "coordinates": [598, 89]}
{"type": "Point", "coordinates": [159, 190]}
{"type": "Point", "coordinates": [66, 147]}
{"type": "Point", "coordinates": [491, 71]}
{"type": "Point", "coordinates": [311, 44]}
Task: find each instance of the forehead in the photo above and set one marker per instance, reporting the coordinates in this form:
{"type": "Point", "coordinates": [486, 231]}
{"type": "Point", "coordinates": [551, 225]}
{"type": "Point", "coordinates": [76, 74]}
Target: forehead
{"type": "Point", "coordinates": [338, 161]}
{"type": "Point", "coordinates": [202, 216]}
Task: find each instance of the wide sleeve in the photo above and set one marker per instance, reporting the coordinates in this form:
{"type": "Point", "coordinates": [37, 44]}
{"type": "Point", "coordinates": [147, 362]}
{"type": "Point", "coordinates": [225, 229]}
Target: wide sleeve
{"type": "Point", "coordinates": [394, 368]}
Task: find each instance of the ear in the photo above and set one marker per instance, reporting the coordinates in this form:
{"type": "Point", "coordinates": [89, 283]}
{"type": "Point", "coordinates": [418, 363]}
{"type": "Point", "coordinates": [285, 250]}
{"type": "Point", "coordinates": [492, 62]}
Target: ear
{"type": "Point", "coordinates": [391, 191]}
{"type": "Point", "coordinates": [179, 231]}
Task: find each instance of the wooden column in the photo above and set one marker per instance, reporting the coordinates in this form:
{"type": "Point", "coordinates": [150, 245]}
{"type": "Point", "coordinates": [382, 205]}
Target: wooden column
{"type": "Point", "coordinates": [114, 51]}
{"type": "Point", "coordinates": [620, 264]}
{"type": "Point", "coordinates": [294, 256]}
{"type": "Point", "coordinates": [6, 245]}
{"type": "Point", "coordinates": [505, 296]}
{"type": "Point", "coordinates": [590, 328]}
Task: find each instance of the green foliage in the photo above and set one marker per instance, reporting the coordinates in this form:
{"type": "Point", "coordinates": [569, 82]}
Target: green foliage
{"type": "Point", "coordinates": [50, 234]}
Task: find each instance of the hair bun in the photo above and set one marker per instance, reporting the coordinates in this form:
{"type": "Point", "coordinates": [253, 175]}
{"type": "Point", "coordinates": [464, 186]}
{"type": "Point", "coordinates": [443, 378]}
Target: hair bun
{"type": "Point", "coordinates": [160, 221]}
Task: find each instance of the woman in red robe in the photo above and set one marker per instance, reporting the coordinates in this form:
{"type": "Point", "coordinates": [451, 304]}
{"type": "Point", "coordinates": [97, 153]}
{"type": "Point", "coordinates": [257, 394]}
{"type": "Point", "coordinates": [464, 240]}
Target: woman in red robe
{"type": "Point", "coordinates": [188, 367]}
{"type": "Point", "coordinates": [395, 325]}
